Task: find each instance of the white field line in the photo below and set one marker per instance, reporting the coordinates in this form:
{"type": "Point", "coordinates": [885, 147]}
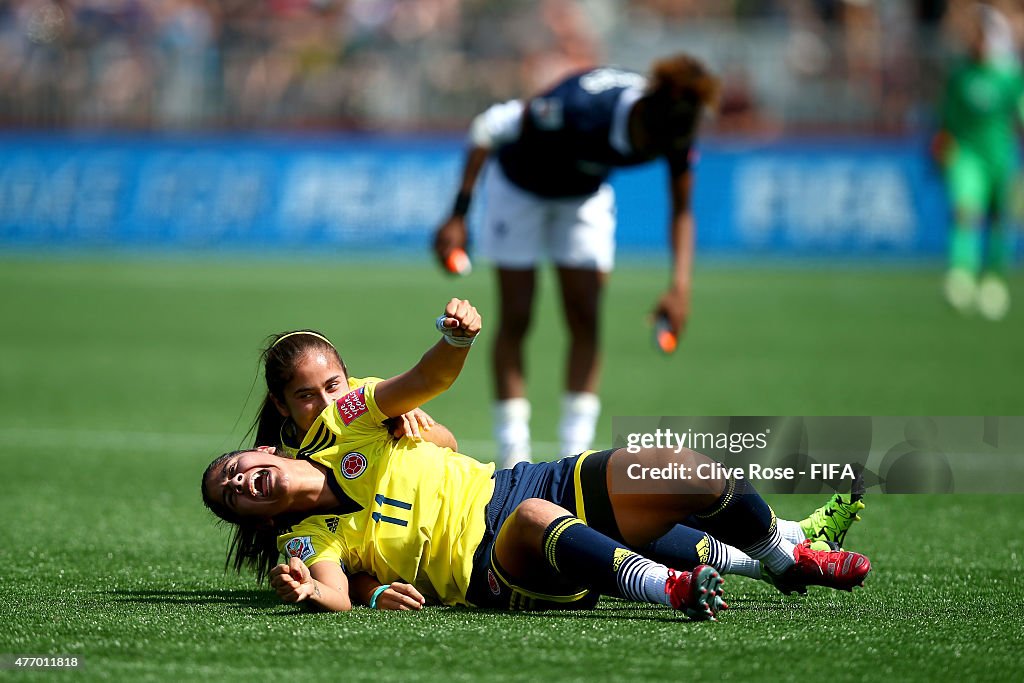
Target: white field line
{"type": "Point", "coordinates": [56, 437]}
{"type": "Point", "coordinates": [97, 439]}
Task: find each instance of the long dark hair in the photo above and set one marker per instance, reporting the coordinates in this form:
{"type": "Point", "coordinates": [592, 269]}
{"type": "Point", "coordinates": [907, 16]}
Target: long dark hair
{"type": "Point", "coordinates": [253, 545]}
{"type": "Point", "coordinates": [279, 359]}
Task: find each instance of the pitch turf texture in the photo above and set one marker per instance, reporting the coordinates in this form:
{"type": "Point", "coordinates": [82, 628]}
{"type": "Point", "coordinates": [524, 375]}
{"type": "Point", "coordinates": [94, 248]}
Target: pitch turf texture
{"type": "Point", "coordinates": [121, 380]}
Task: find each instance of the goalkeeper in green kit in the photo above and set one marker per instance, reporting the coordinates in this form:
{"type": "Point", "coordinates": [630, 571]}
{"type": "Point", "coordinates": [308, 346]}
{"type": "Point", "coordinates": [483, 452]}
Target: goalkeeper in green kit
{"type": "Point", "coordinates": [977, 147]}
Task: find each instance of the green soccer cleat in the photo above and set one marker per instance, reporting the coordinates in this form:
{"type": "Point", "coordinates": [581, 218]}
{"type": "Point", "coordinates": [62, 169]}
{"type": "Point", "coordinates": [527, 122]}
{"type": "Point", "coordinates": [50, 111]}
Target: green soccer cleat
{"type": "Point", "coordinates": [832, 520]}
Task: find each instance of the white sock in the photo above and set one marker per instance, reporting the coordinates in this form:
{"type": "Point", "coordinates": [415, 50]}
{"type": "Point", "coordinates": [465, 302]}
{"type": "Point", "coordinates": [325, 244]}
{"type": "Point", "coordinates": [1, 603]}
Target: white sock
{"type": "Point", "coordinates": [791, 531]}
{"type": "Point", "coordinates": [774, 551]}
{"type": "Point", "coordinates": [512, 431]}
{"type": "Point", "coordinates": [729, 560]}
{"type": "Point", "coordinates": [738, 562]}
{"type": "Point", "coordinates": [643, 580]}
{"type": "Point", "coordinates": [579, 421]}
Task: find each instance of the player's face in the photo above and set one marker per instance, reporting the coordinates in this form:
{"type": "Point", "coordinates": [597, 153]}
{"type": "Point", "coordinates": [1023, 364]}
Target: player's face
{"type": "Point", "coordinates": [318, 380]}
{"type": "Point", "coordinates": [252, 485]}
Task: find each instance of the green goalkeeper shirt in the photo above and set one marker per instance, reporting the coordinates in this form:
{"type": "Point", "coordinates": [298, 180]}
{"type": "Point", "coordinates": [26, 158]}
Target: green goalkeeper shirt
{"type": "Point", "coordinates": [981, 105]}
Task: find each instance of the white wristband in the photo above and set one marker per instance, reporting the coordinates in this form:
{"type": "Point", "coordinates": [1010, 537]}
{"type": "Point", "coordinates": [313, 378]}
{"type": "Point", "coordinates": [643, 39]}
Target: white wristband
{"type": "Point", "coordinates": [460, 342]}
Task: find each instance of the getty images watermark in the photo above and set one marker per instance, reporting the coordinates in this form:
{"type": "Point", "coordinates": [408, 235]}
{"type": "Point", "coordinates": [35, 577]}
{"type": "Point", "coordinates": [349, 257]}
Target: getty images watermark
{"type": "Point", "coordinates": [733, 443]}
{"type": "Point", "coordinates": [817, 454]}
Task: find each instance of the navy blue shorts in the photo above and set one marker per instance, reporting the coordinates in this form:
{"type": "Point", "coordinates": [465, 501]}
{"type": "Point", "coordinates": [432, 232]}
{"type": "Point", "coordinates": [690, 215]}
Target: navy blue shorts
{"type": "Point", "coordinates": [579, 484]}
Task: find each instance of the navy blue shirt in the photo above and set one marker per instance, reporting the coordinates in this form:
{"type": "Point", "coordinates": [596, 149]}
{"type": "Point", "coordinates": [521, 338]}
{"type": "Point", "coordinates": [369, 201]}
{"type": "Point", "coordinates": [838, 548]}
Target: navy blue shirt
{"type": "Point", "coordinates": [564, 148]}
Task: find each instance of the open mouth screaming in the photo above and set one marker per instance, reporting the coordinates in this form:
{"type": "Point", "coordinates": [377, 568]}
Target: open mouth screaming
{"type": "Point", "coordinates": [260, 484]}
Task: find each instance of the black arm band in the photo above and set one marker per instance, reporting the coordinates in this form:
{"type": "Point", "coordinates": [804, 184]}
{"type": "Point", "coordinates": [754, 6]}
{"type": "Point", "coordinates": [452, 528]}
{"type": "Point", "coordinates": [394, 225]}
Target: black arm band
{"type": "Point", "coordinates": [462, 204]}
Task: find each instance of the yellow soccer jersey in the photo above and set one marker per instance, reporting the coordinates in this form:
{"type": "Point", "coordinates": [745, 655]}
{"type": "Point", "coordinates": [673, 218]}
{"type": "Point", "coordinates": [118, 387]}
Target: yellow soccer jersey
{"type": "Point", "coordinates": [419, 509]}
{"type": "Point", "coordinates": [290, 445]}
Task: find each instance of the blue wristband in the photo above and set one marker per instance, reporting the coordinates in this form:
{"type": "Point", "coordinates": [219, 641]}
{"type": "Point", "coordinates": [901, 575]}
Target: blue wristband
{"type": "Point", "coordinates": [376, 594]}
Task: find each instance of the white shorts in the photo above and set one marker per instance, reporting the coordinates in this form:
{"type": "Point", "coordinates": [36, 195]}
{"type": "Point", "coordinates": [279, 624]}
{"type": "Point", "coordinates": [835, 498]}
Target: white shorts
{"type": "Point", "coordinates": [521, 229]}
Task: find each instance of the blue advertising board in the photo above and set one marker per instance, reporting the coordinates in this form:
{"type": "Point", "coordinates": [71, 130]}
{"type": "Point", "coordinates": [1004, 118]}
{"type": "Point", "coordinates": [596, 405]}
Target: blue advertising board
{"type": "Point", "coordinates": [826, 198]}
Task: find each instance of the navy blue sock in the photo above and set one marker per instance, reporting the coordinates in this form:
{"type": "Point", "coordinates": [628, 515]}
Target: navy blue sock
{"type": "Point", "coordinates": [741, 518]}
{"type": "Point", "coordinates": [592, 559]}
{"type": "Point", "coordinates": [683, 548]}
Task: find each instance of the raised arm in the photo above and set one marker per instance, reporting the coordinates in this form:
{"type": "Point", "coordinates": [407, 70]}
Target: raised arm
{"type": "Point", "coordinates": [439, 366]}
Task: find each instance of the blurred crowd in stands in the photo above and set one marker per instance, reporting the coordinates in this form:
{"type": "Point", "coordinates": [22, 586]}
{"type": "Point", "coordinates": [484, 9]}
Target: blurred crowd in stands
{"type": "Point", "coordinates": [787, 65]}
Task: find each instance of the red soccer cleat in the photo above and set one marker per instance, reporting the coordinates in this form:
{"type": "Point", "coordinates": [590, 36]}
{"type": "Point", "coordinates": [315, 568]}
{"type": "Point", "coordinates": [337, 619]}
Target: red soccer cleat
{"type": "Point", "coordinates": [698, 594]}
{"type": "Point", "coordinates": [840, 569]}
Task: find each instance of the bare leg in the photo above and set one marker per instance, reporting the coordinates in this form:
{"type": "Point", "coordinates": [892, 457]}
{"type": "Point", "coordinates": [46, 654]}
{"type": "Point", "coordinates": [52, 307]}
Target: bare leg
{"type": "Point", "coordinates": [511, 408]}
{"type": "Point", "coordinates": [648, 510]}
{"type": "Point", "coordinates": [581, 302]}
{"type": "Point", "coordinates": [540, 535]}
{"type": "Point", "coordinates": [728, 509]}
{"type": "Point", "coordinates": [520, 542]}
{"type": "Point", "coordinates": [515, 291]}
{"type": "Point", "coordinates": [543, 544]}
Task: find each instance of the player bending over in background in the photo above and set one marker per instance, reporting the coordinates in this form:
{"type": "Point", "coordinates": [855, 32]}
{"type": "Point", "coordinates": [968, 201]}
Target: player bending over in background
{"type": "Point", "coordinates": [547, 197]}
{"type": "Point", "coordinates": [977, 146]}
{"type": "Point", "coordinates": [544, 535]}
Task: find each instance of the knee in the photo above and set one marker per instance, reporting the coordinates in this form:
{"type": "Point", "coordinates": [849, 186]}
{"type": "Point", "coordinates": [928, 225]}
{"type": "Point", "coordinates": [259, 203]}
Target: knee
{"type": "Point", "coordinates": [516, 316]}
{"type": "Point", "coordinates": [530, 520]}
{"type": "Point", "coordinates": [534, 513]}
{"type": "Point", "coordinates": [582, 318]}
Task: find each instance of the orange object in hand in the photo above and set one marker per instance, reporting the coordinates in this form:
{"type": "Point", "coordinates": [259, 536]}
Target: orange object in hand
{"type": "Point", "coordinates": [458, 262]}
{"type": "Point", "coordinates": [664, 338]}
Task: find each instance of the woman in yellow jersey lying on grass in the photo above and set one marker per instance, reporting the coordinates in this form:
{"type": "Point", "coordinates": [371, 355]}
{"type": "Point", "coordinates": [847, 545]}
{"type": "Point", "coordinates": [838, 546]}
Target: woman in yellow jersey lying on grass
{"type": "Point", "coordinates": [304, 374]}
{"type": "Point", "coordinates": [539, 535]}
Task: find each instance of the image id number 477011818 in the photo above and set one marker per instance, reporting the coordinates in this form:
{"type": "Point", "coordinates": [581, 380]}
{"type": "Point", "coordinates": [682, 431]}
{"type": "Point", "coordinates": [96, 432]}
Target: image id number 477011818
{"type": "Point", "coordinates": [40, 662]}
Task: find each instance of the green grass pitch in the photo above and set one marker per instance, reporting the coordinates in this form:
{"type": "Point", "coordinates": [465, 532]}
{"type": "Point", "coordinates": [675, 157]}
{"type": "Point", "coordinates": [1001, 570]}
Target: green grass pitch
{"type": "Point", "coordinates": [121, 379]}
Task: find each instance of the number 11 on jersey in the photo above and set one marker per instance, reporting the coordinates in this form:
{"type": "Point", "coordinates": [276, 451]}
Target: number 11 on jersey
{"type": "Point", "coordinates": [383, 501]}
